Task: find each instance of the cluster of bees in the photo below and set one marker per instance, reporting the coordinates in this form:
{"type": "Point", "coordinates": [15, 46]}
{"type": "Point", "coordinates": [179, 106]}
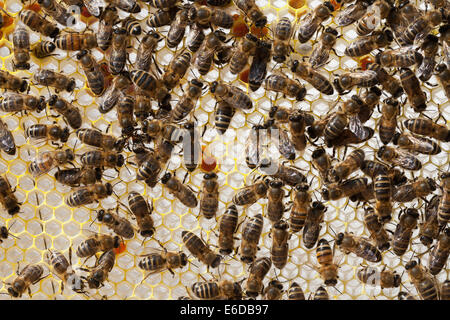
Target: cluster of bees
{"type": "Point", "coordinates": [393, 36]}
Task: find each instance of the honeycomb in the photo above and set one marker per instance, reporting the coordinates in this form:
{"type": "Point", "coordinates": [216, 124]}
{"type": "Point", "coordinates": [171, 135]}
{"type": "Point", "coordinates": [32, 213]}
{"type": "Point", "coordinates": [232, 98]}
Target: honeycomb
{"type": "Point", "coordinates": [45, 221]}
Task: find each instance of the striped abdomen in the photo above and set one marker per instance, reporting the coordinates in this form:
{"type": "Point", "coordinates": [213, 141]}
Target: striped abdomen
{"type": "Point", "coordinates": [152, 262]}
{"type": "Point", "coordinates": [224, 114]}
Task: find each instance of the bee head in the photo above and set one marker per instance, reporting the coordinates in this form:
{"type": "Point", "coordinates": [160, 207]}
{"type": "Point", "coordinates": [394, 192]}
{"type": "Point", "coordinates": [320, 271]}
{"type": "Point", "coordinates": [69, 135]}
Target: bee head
{"type": "Point", "coordinates": [340, 238]}
{"type": "Point", "coordinates": [64, 135]}
{"type": "Point", "coordinates": [410, 265]}
{"type": "Point", "coordinates": [81, 54]}
{"type": "Point", "coordinates": [116, 241]}
{"type": "Point", "coordinates": [209, 176]}
{"type": "Point", "coordinates": [397, 280]}
{"type": "Point", "coordinates": [109, 189]}
{"type": "Point", "coordinates": [166, 178]}
{"type": "Point", "coordinates": [294, 66]}
{"type": "Point", "coordinates": [301, 94]}
{"type": "Point", "coordinates": [441, 67]}
{"type": "Point", "coordinates": [213, 86]}
{"type": "Point", "coordinates": [100, 215]}
{"type": "Point", "coordinates": [184, 259]}
{"type": "Point", "coordinates": [325, 194]}
{"type": "Point", "coordinates": [302, 187]}
{"type": "Point", "coordinates": [23, 86]}
{"type": "Point", "coordinates": [120, 160]}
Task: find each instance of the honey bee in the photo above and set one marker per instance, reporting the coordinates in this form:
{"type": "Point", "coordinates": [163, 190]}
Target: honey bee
{"type": "Point", "coordinates": [297, 125]}
{"type": "Point", "coordinates": [336, 124]}
{"type": "Point", "coordinates": [99, 273]}
{"type": "Point", "coordinates": [157, 261]}
{"type": "Point", "coordinates": [142, 107]}
{"type": "Point", "coordinates": [378, 11]}
{"type": "Point", "coordinates": [248, 195]}
{"type": "Point", "coordinates": [209, 200]}
{"type": "Point", "coordinates": [400, 158]}
{"type": "Point", "coordinates": [121, 226]}
{"type": "Point", "coordinates": [96, 243]}
{"type": "Point", "coordinates": [360, 246]}
{"type": "Point", "coordinates": [130, 6]}
{"type": "Point", "coordinates": [156, 89]}
{"type": "Point", "coordinates": [56, 11]}
{"type": "Point", "coordinates": [132, 26]}
{"type": "Point", "coordinates": [178, 28]}
{"type": "Point", "coordinates": [7, 197]}
{"type": "Point", "coordinates": [370, 98]}
{"type": "Point", "coordinates": [46, 161]}
{"type": "Point", "coordinates": [420, 28]}
{"type": "Point", "coordinates": [427, 127]}
{"type": "Point", "coordinates": [321, 294]}
{"type": "Point", "coordinates": [118, 55]}
{"type": "Point", "coordinates": [117, 90]}
{"type": "Point", "coordinates": [99, 158]}
{"type": "Point", "coordinates": [416, 144]}
{"type": "Point", "coordinates": [29, 275]}
{"type": "Point", "coordinates": [347, 188]}
{"type": "Point", "coordinates": [149, 169]}
{"type": "Point", "coordinates": [204, 15]}
{"type": "Point", "coordinates": [388, 82]}
{"type": "Point", "coordinates": [52, 132]}
{"type": "Point", "coordinates": [295, 292]}
{"type": "Point", "coordinates": [275, 206]}
{"type": "Point", "coordinates": [365, 45]}
{"type": "Point", "coordinates": [177, 69]}
{"type": "Point", "coordinates": [282, 34]}
{"type": "Point", "coordinates": [96, 138]}
{"type": "Point", "coordinates": [347, 80]}
{"type": "Point", "coordinates": [321, 53]}
{"type": "Point", "coordinates": [383, 188]}
{"type": "Point", "coordinates": [188, 102]}
{"type": "Point", "coordinates": [43, 49]}
{"type": "Point", "coordinates": [280, 247]}
{"type": "Point", "coordinates": [388, 120]}
{"type": "Point", "coordinates": [252, 11]}
{"type": "Point", "coordinates": [439, 254]}
{"type": "Point", "coordinates": [125, 110]}
{"type": "Point", "coordinates": [76, 41]}
{"type": "Point", "coordinates": [182, 192]}
{"type": "Point", "coordinates": [310, 22]}
{"type": "Point", "coordinates": [300, 207]}
{"type": "Point", "coordinates": [161, 17]}
{"type": "Point", "coordinates": [59, 81]}
{"type": "Point", "coordinates": [429, 227]}
{"type": "Point", "coordinates": [200, 250]}
{"type": "Point", "coordinates": [313, 223]}
{"type": "Point", "coordinates": [429, 47]}
{"type": "Point", "coordinates": [321, 162]}
{"type": "Point", "coordinates": [419, 188]}
{"type": "Point", "coordinates": [94, 76]}
{"type": "Point", "coordinates": [445, 290]}
{"type": "Point", "coordinates": [108, 19]}
{"type": "Point", "coordinates": [280, 83]}
{"type": "Point", "coordinates": [258, 68]}
{"type": "Point", "coordinates": [17, 102]}
{"type": "Point", "coordinates": [352, 13]}
{"type": "Point", "coordinates": [386, 279]}
{"type": "Point", "coordinates": [398, 58]}
{"type": "Point", "coordinates": [443, 75]}
{"type": "Point", "coordinates": [195, 38]}
{"type": "Point", "coordinates": [443, 209]}
{"type": "Point", "coordinates": [411, 85]}
{"type": "Point", "coordinates": [246, 48]}
{"type": "Point", "coordinates": [234, 96]}
{"type": "Point", "coordinates": [88, 194]}
{"type": "Point", "coordinates": [347, 137]}
{"type": "Point", "coordinates": [63, 269]}
{"type": "Point", "coordinates": [38, 24]}
{"type": "Point", "coordinates": [142, 212]}
{"type": "Point", "coordinates": [403, 232]}
{"type": "Point", "coordinates": [21, 46]}
{"type": "Point", "coordinates": [213, 290]}
{"type": "Point", "coordinates": [258, 270]}
{"type": "Point", "coordinates": [9, 81]}
{"type": "Point", "coordinates": [376, 229]}
{"type": "Point", "coordinates": [328, 270]}
{"type": "Point", "coordinates": [305, 71]}
{"type": "Point", "coordinates": [290, 175]}
{"type": "Point", "coordinates": [227, 227]}
{"type": "Point", "coordinates": [373, 168]}
{"type": "Point", "coordinates": [7, 142]}
{"type": "Point", "coordinates": [351, 163]}
{"type": "Point", "coordinates": [204, 57]}
{"type": "Point", "coordinates": [74, 177]}
{"type": "Point", "coordinates": [223, 115]}
{"type": "Point", "coordinates": [273, 291]}
{"type": "Point", "coordinates": [282, 114]}
{"type": "Point", "coordinates": [251, 232]}
{"type": "Point", "coordinates": [422, 281]}
{"type": "Point", "coordinates": [145, 50]}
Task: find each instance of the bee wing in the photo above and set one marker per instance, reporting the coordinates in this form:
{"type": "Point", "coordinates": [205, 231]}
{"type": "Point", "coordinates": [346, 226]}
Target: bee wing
{"type": "Point", "coordinates": [425, 145]}
{"type": "Point", "coordinates": [366, 75]}
{"type": "Point", "coordinates": [405, 160]}
{"type": "Point", "coordinates": [308, 25]}
{"type": "Point", "coordinates": [93, 6]}
{"type": "Point", "coordinates": [355, 126]}
{"type": "Point", "coordinates": [446, 53]}
{"type": "Point", "coordinates": [285, 147]}
{"type": "Point", "coordinates": [7, 142]}
{"type": "Point", "coordinates": [319, 56]}
{"type": "Point", "coordinates": [148, 251]}
{"type": "Point", "coordinates": [350, 14]}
